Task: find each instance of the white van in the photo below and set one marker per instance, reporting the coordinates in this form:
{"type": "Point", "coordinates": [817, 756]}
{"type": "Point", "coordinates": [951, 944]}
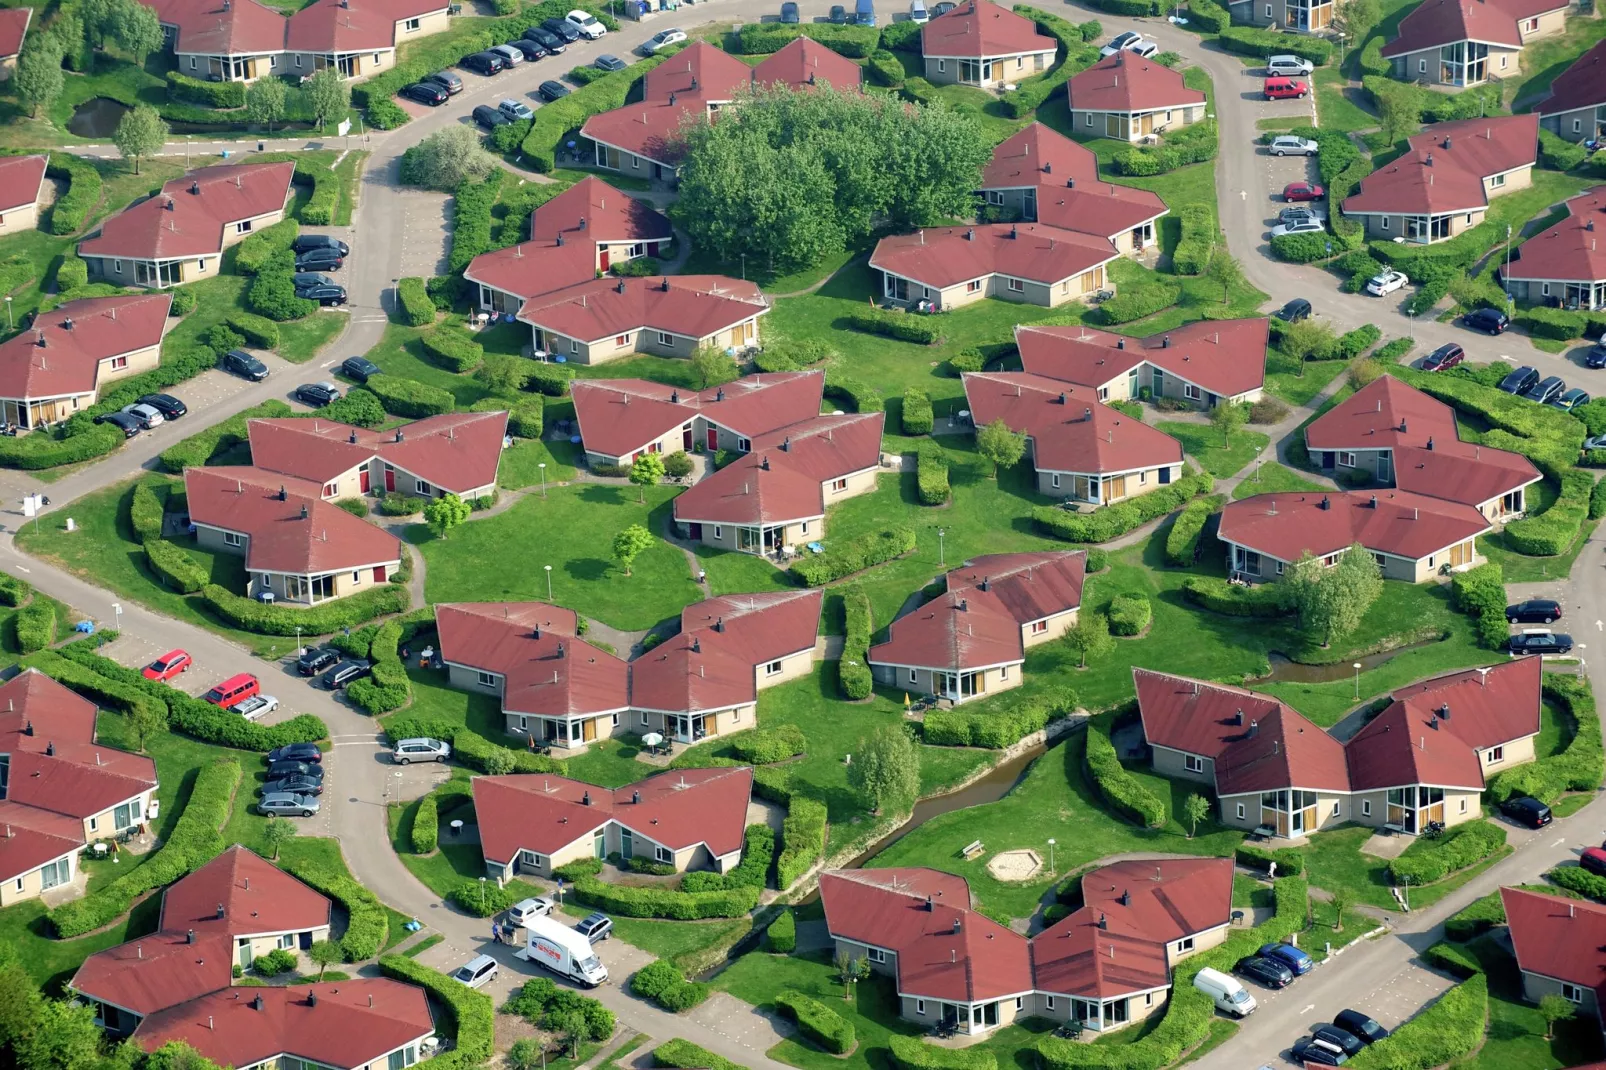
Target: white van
{"type": "Point", "coordinates": [1229, 996]}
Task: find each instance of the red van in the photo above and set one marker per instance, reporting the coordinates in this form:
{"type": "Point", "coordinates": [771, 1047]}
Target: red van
{"type": "Point", "coordinates": [1283, 88]}
{"type": "Point", "coordinates": [1593, 860]}
{"type": "Point", "coordinates": [233, 691]}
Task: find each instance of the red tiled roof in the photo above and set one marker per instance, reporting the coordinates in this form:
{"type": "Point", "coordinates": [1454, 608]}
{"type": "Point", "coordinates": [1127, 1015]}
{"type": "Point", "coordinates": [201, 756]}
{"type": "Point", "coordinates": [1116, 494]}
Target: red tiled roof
{"type": "Point", "coordinates": [1568, 251]}
{"type": "Point", "coordinates": [1556, 937]}
{"type": "Point", "coordinates": [712, 664]}
{"type": "Point", "coordinates": [1038, 155]}
{"type": "Point", "coordinates": [803, 62]}
{"type": "Point", "coordinates": [1441, 22]}
{"type": "Point", "coordinates": [20, 176]}
{"type": "Point", "coordinates": [940, 257]}
{"type": "Point", "coordinates": [616, 417]}
{"type": "Point", "coordinates": [332, 26]}
{"type": "Point", "coordinates": [56, 714]}
{"type": "Point", "coordinates": [976, 621]}
{"type": "Point", "coordinates": [1400, 523]}
{"type": "Point", "coordinates": [1446, 166]}
{"type": "Point", "coordinates": [978, 28]}
{"type": "Point", "coordinates": [1226, 357]}
{"type": "Point", "coordinates": [677, 809]}
{"type": "Point", "coordinates": [546, 669]}
{"type": "Point", "coordinates": [1101, 208]}
{"type": "Point", "coordinates": [68, 362]}
{"type": "Point", "coordinates": [1127, 82]}
{"type": "Point", "coordinates": [455, 451]}
{"type": "Point", "coordinates": [35, 837]}
{"type": "Point", "coordinates": [693, 306]}
{"type": "Point", "coordinates": [536, 267]}
{"type": "Point", "coordinates": [780, 479]}
{"type": "Point", "coordinates": [593, 211]}
{"type": "Point", "coordinates": [1070, 429]}
{"type": "Point", "coordinates": [946, 952]}
{"type": "Point", "coordinates": [336, 1023]}
{"type": "Point", "coordinates": [1582, 85]}
{"type": "Point", "coordinates": [1487, 706]}
{"type": "Point", "coordinates": [216, 27]}
{"type": "Point", "coordinates": [13, 28]}
{"type": "Point", "coordinates": [1382, 415]}
{"type": "Point", "coordinates": [701, 73]}
{"type": "Point", "coordinates": [1462, 472]}
{"type": "Point", "coordinates": [188, 217]}
{"type": "Point", "coordinates": [297, 533]}
{"type": "Point", "coordinates": [1404, 746]}
{"type": "Point", "coordinates": [157, 971]}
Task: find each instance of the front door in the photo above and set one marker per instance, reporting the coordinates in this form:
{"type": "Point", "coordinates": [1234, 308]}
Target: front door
{"type": "Point", "coordinates": [362, 481]}
{"type": "Point", "coordinates": [590, 730]}
{"type": "Point", "coordinates": [246, 957]}
{"type": "Point", "coordinates": [390, 479]}
{"type": "Point", "coordinates": [685, 437]}
{"type": "Point", "coordinates": [1384, 474]}
{"type": "Point", "coordinates": [709, 722]}
{"type": "Point", "coordinates": [713, 439]}
{"type": "Point", "coordinates": [599, 845]}
{"type": "Point", "coordinates": [602, 258]}
{"type": "Point", "coordinates": [627, 847]}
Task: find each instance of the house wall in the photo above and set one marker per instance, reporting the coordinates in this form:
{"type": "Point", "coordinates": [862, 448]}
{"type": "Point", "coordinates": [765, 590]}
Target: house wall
{"type": "Point", "coordinates": [141, 360]}
{"type": "Point", "coordinates": [1424, 66]}
{"type": "Point", "coordinates": [346, 581]}
{"type": "Point", "coordinates": [1201, 942]}
{"type": "Point", "coordinates": [1459, 223]}
{"type": "Point", "coordinates": [1001, 678]}
{"type": "Point", "coordinates": [1521, 178]}
{"type": "Point", "coordinates": [30, 881]}
{"type": "Point", "coordinates": [526, 726]}
{"type": "Point", "coordinates": [1169, 763]}
{"type": "Point", "coordinates": [121, 272]}
{"type": "Point", "coordinates": [1536, 986]}
{"type": "Point", "coordinates": [24, 217]}
{"type": "Point", "coordinates": [1094, 122]}
{"type": "Point", "coordinates": [669, 442]}
{"type": "Point", "coordinates": [792, 667]}
{"type": "Point", "coordinates": [725, 535]}
{"type": "Point", "coordinates": [1517, 752]}
{"type": "Point", "coordinates": [1057, 625]}
{"type": "Point", "coordinates": [944, 70]}
{"type": "Point", "coordinates": [1562, 123]}
{"type": "Point", "coordinates": [261, 945]}
{"type": "Point", "coordinates": [725, 721]}
{"type": "Point", "coordinates": [645, 340]}
{"type": "Point", "coordinates": [8, 67]}
{"type": "Point", "coordinates": [1140, 482]}
{"type": "Point", "coordinates": [1365, 461]}
{"type": "Point", "coordinates": [1359, 803]}
{"type": "Point", "coordinates": [104, 824]}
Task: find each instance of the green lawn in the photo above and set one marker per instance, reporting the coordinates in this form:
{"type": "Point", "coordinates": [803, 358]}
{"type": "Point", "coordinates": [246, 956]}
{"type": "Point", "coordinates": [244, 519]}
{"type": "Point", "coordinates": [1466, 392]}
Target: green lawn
{"type": "Point", "coordinates": [731, 572]}
{"type": "Point", "coordinates": [1520, 568]}
{"type": "Point", "coordinates": [572, 530]}
{"type": "Point", "coordinates": [1544, 59]}
{"type": "Point", "coordinates": [610, 762]}
{"type": "Point", "coordinates": [1516, 1036]}
{"type": "Point", "coordinates": [1221, 456]}
{"type": "Point", "coordinates": [1556, 729]}
{"type": "Point", "coordinates": [521, 464]}
{"type": "Point", "coordinates": [433, 698]}
{"type": "Point", "coordinates": [1285, 379]}
{"type": "Point", "coordinates": [1334, 860]}
{"type": "Point", "coordinates": [1249, 892]}
{"type": "Point", "coordinates": [1337, 105]}
{"type": "Point", "coordinates": [302, 340]}
{"type": "Point", "coordinates": [1272, 478]}
{"type": "Point", "coordinates": [400, 353]}
{"type": "Point", "coordinates": [667, 939]}
{"type": "Point", "coordinates": [706, 262]}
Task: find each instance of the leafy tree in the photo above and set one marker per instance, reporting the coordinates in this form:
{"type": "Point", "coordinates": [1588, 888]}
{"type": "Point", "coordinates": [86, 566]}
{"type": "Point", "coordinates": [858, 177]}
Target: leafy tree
{"type": "Point", "coordinates": [1000, 445]}
{"type": "Point", "coordinates": [1091, 636]}
{"type": "Point", "coordinates": [525, 1054]}
{"type": "Point", "coordinates": [1227, 417]}
{"type": "Point", "coordinates": [1553, 1009]}
{"type": "Point", "coordinates": [886, 769]}
{"type": "Point", "coordinates": [446, 159]}
{"type": "Point", "coordinates": [1400, 109]}
{"type": "Point", "coordinates": [97, 16]}
{"type": "Point", "coordinates": [1225, 271]}
{"type": "Point", "coordinates": [570, 1024]}
{"type": "Point", "coordinates": [177, 1055]}
{"type": "Point", "coordinates": [1357, 18]}
{"type": "Point", "coordinates": [264, 101]}
{"type": "Point", "coordinates": [67, 37]}
{"type": "Point", "coordinates": [678, 464]}
{"type": "Point", "coordinates": [445, 513]}
{"type": "Point", "coordinates": [277, 832]}
{"type": "Point", "coordinates": [646, 471]}
{"type": "Point", "coordinates": [630, 544]}
{"type": "Point", "coordinates": [19, 999]}
{"type": "Point", "coordinates": [141, 133]}
{"type": "Point", "coordinates": [328, 95]}
{"type": "Point", "coordinates": [1343, 899]}
{"type": "Point", "coordinates": [63, 1036]}
{"type": "Point", "coordinates": [39, 78]}
{"type": "Point", "coordinates": [147, 719]}
{"type": "Point", "coordinates": [1308, 340]}
{"type": "Point", "coordinates": [136, 28]}
{"type": "Point", "coordinates": [1332, 601]}
{"type": "Point", "coordinates": [712, 367]}
{"type": "Point", "coordinates": [502, 374]}
{"type": "Point", "coordinates": [850, 970]}
{"type": "Point", "coordinates": [324, 954]}
{"type": "Point", "coordinates": [1195, 808]}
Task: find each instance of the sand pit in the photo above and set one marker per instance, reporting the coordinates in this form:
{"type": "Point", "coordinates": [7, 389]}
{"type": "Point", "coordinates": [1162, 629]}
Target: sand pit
{"type": "Point", "coordinates": [1014, 865]}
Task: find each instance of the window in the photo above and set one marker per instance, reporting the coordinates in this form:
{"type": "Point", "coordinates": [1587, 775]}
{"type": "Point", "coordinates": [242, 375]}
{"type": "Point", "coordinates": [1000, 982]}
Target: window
{"type": "Point", "coordinates": [1087, 118]}
{"type": "Point", "coordinates": [635, 161]}
{"type": "Point", "coordinates": [1020, 1002]}
{"type": "Point", "coordinates": [1503, 62]}
{"type": "Point", "coordinates": [119, 363]}
{"type": "Point", "coordinates": [410, 25]}
{"type": "Point", "coordinates": [1240, 811]}
{"type": "Point", "coordinates": [485, 679]}
{"type": "Point", "coordinates": [1578, 126]}
{"type": "Point", "coordinates": [1279, 568]}
{"type": "Point", "coordinates": [94, 824]}
{"type": "Point", "coordinates": [1421, 66]}
{"type": "Point", "coordinates": [805, 527]}
{"type": "Point", "coordinates": [1268, 11]}
{"type": "Point", "coordinates": [1148, 997]}
{"type": "Point", "coordinates": [1020, 61]}
{"type": "Point", "coordinates": [424, 489]}
{"type": "Point", "coordinates": [331, 489]}
{"type": "Point", "coordinates": [973, 286]}
{"type": "Point", "coordinates": [287, 941]}
{"type": "Point", "coordinates": [1386, 223]}
{"type": "Point", "coordinates": [839, 485]}
{"type": "Point", "coordinates": [719, 531]}
{"type": "Point", "coordinates": [243, 227]}
{"type": "Point", "coordinates": [995, 197]}
{"type": "Point", "coordinates": [298, 61]}
{"type": "Point", "coordinates": [1193, 763]}
{"type": "Point", "coordinates": [1495, 181]}
{"type": "Point", "coordinates": [1335, 807]}
{"type": "Point", "coordinates": [1463, 804]}
{"type": "Point", "coordinates": [1532, 25]}
{"type": "Point", "coordinates": [744, 444]}
{"type": "Point", "coordinates": [399, 1059]}
{"type": "Point", "coordinates": [622, 340]}
{"type": "Point", "coordinates": [1497, 754]}
{"type": "Point", "coordinates": [1003, 672]}
{"type": "Point", "coordinates": [192, 67]}
{"type": "Point", "coordinates": [1053, 481]}
{"type": "Point", "coordinates": [1185, 945]}
{"type": "Point", "coordinates": [273, 61]}
{"type": "Point", "coordinates": [1572, 992]}
{"type": "Point", "coordinates": [1366, 807]}
{"type": "Point", "coordinates": [772, 669]}
{"type": "Point", "coordinates": [1430, 561]}
{"type": "Point", "coordinates": [877, 955]}
{"type": "Point", "coordinates": [1346, 459]}
{"type": "Point", "coordinates": [356, 577]}
{"type": "Point", "coordinates": [644, 720]}
{"type": "Point", "coordinates": [529, 858]}
{"type": "Point", "coordinates": [1016, 286]}
{"type": "Point", "coordinates": [912, 676]}
{"type": "Point", "coordinates": [1143, 477]}
{"type": "Point", "coordinates": [117, 266]}
{"type": "Point", "coordinates": [665, 339]}
{"type": "Point", "coordinates": [1379, 559]}
{"type": "Point", "coordinates": [920, 1006]}
{"type": "Point", "coordinates": [231, 539]}
{"type": "Point", "coordinates": [1049, 1002]}
{"type": "Point", "coordinates": [1104, 393]}
{"type": "Point", "coordinates": [574, 347]}
{"type": "Point", "coordinates": [663, 854]}
{"type": "Point", "coordinates": [1191, 392]}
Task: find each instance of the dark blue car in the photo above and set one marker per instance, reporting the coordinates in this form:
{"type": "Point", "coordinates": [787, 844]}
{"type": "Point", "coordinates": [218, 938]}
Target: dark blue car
{"type": "Point", "coordinates": [1289, 956]}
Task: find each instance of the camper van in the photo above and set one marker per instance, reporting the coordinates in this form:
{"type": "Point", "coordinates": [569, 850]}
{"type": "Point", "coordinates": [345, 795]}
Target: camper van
{"type": "Point", "coordinates": [1229, 996]}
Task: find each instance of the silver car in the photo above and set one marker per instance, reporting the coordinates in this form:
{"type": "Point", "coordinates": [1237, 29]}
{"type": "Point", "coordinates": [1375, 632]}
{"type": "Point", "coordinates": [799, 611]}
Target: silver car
{"type": "Point", "coordinates": [521, 912]}
{"type": "Point", "coordinates": [510, 55]}
{"type": "Point", "coordinates": [147, 415]}
{"type": "Point", "coordinates": [1289, 145]}
{"type": "Point", "coordinates": [285, 803]}
{"type": "Point", "coordinates": [477, 971]}
{"type": "Point", "coordinates": [1289, 65]}
{"type": "Point", "coordinates": [420, 749]}
{"type": "Point", "coordinates": [662, 39]}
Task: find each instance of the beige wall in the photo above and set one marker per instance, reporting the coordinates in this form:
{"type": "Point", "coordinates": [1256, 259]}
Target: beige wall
{"type": "Point", "coordinates": [725, 536]}
{"type": "Point", "coordinates": [261, 945]}
{"type": "Point", "coordinates": [1517, 752]}
{"type": "Point", "coordinates": [792, 666]}
{"type": "Point", "coordinates": [233, 235]}
{"type": "Point", "coordinates": [10, 893]}
{"type": "Point", "coordinates": [1393, 568]}
{"type": "Point", "coordinates": [1015, 68]}
{"type": "Point", "coordinates": [1054, 627]}
{"type": "Point", "coordinates": [1044, 295]}
{"type": "Point", "coordinates": [645, 340]}
{"type": "Point", "coordinates": [1135, 483]}
{"type": "Point", "coordinates": [1459, 223]}
{"type": "Point", "coordinates": [8, 67]}
{"type": "Point", "coordinates": [104, 824]}
{"type": "Point", "coordinates": [1097, 124]}
{"type": "Point", "coordinates": [1204, 941]}
{"type": "Point", "coordinates": [1001, 678]}
{"type": "Point", "coordinates": [141, 360]}
{"type": "Point", "coordinates": [121, 272]}
{"type": "Point", "coordinates": [25, 217]}
{"type": "Point", "coordinates": [725, 721]}
{"type": "Point", "coordinates": [1356, 807]}
{"type": "Point", "coordinates": [1424, 66]}
{"type": "Point", "coordinates": [1521, 178]}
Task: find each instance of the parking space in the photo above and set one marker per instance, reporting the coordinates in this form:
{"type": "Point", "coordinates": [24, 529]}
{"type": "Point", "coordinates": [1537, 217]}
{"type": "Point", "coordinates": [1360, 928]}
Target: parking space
{"type": "Point", "coordinates": [425, 229]}
{"type": "Point", "coordinates": [136, 651]}
{"type": "Point", "coordinates": [1403, 995]}
{"type": "Point", "coordinates": [207, 389]}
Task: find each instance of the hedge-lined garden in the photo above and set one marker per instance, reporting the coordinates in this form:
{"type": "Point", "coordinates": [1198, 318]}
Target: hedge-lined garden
{"type": "Point", "coordinates": [853, 670]}
{"type": "Point", "coordinates": [1119, 788]}
{"type": "Point", "coordinates": [471, 1015]}
{"type": "Point", "coordinates": [368, 923]}
{"type": "Point", "coordinates": [1579, 767]}
{"type": "Point", "coordinates": [1112, 521]}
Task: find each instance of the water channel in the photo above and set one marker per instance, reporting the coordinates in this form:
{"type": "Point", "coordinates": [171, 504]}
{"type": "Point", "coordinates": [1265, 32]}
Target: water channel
{"type": "Point", "coordinates": [98, 118]}
{"type": "Point", "coordinates": [1292, 672]}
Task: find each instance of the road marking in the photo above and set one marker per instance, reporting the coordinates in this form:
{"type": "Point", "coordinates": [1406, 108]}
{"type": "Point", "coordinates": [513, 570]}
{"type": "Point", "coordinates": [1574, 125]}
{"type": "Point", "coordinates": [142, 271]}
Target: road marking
{"type": "Point", "coordinates": [359, 743]}
{"type": "Point", "coordinates": [1308, 1009]}
{"type": "Point", "coordinates": [22, 568]}
{"type": "Point", "coordinates": [1559, 842]}
{"type": "Point", "coordinates": [1504, 357]}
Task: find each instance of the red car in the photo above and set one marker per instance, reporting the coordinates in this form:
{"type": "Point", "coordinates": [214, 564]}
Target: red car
{"type": "Point", "coordinates": [1282, 88]}
{"type": "Point", "coordinates": [1593, 860]}
{"type": "Point", "coordinates": [1446, 356]}
{"type": "Point", "coordinates": [1303, 191]}
{"type": "Point", "coordinates": [168, 665]}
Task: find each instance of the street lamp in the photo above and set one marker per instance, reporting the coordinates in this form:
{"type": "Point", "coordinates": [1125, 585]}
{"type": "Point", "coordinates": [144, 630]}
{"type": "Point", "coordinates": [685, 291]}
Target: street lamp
{"type": "Point", "coordinates": [188, 138]}
{"type": "Point", "coordinates": [1357, 667]}
{"type": "Point", "coordinates": [117, 610]}
{"type": "Point", "coordinates": [482, 893]}
{"type": "Point", "coordinates": [548, 582]}
{"type": "Point", "coordinates": [942, 557]}
{"type": "Point", "coordinates": [542, 467]}
{"type": "Point", "coordinates": [1051, 857]}
{"type": "Point", "coordinates": [1259, 460]}
{"type": "Point", "coordinates": [10, 325]}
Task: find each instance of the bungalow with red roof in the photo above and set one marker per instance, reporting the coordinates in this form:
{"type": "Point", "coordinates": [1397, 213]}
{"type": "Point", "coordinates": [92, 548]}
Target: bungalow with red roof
{"type": "Point", "coordinates": [1443, 185]}
{"type": "Point", "coordinates": [980, 43]}
{"type": "Point", "coordinates": [685, 818]}
{"type": "Point", "coordinates": [61, 789]}
{"type": "Point", "coordinates": [1560, 946]}
{"type": "Point", "coordinates": [971, 640]}
{"type": "Point", "coordinates": [1129, 98]}
{"type": "Point", "coordinates": [179, 235]}
{"type": "Point", "coordinates": [1080, 447]}
{"type": "Point", "coordinates": [1105, 966]}
{"type": "Point", "coordinates": [1300, 16]}
{"type": "Point", "coordinates": [1203, 363]}
{"type": "Point", "coordinates": [672, 316]}
{"type": "Point", "coordinates": [1040, 175]}
{"type": "Point", "coordinates": [1564, 265]}
{"type": "Point", "coordinates": [1396, 434]}
{"type": "Point", "coordinates": [1575, 107]}
{"type": "Point", "coordinates": [1468, 42]}
{"type": "Point", "coordinates": [585, 229]}
{"type": "Point", "coordinates": [22, 178]}
{"type": "Point", "coordinates": [1033, 263]}
{"type": "Point", "coordinates": [553, 686]}
{"type": "Point", "coordinates": [177, 984]}
{"type": "Point", "coordinates": [642, 139]}
{"type": "Point", "coordinates": [59, 366]}
{"type": "Point", "coordinates": [13, 31]}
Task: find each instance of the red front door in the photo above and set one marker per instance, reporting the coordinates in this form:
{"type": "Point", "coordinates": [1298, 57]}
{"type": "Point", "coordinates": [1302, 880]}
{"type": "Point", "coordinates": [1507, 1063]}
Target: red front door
{"type": "Point", "coordinates": [713, 438]}
{"type": "Point", "coordinates": [602, 263]}
{"type": "Point", "coordinates": [379, 573]}
{"type": "Point", "coordinates": [362, 480]}
{"type": "Point", "coordinates": [685, 439]}
{"type": "Point", "coordinates": [390, 478]}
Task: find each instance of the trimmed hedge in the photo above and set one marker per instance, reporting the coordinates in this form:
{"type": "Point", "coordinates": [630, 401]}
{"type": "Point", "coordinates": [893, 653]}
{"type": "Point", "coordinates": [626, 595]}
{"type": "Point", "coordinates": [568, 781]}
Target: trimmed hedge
{"type": "Point", "coordinates": [250, 615]}
{"type": "Point", "coordinates": [1129, 614]}
{"type": "Point", "coordinates": [263, 245]}
{"type": "Point", "coordinates": [1452, 959]}
{"type": "Point", "coordinates": [72, 208]}
{"type": "Point", "coordinates": [802, 840]}
{"type": "Point", "coordinates": [36, 625]}
{"type": "Point", "coordinates": [931, 473]}
{"type": "Point", "coordinates": [634, 901]}
{"type": "Point", "coordinates": [763, 38]}
{"type": "Point", "coordinates": [196, 840]}
{"type": "Point", "coordinates": [409, 397]}
{"type": "Point", "coordinates": [1219, 596]}
{"type": "Point", "coordinates": [1578, 879]}
{"type": "Point", "coordinates": [856, 395]}
{"type": "Point", "coordinates": [758, 852]}
{"type": "Point", "coordinates": [684, 1055]}
{"type": "Point", "coordinates": [766, 746]}
{"type": "Point", "coordinates": [904, 326]}
{"type": "Point", "coordinates": [1182, 541]}
{"type": "Point", "coordinates": [1352, 344]}
{"type": "Point", "coordinates": [174, 567]}
{"type": "Point", "coordinates": [1577, 768]}
{"type": "Point", "coordinates": [853, 670]}
{"type": "Point", "coordinates": [368, 922]}
{"type": "Point", "coordinates": [1476, 918]}
{"type": "Point", "coordinates": [1467, 844]}
{"type": "Point", "coordinates": [1075, 55]}
{"type": "Point", "coordinates": [451, 346]}
{"type": "Point", "coordinates": [1119, 788]}
{"type": "Point", "coordinates": [413, 303]}
{"type": "Point", "coordinates": [1290, 862]}
{"type": "Point", "coordinates": [1195, 143]}
{"type": "Point", "coordinates": [782, 933]}
{"type": "Point", "coordinates": [469, 747]}
{"type": "Point", "coordinates": [209, 94]}
{"type": "Point", "coordinates": [472, 1014]}
{"type": "Point", "coordinates": [13, 591]}
{"type": "Point", "coordinates": [1444, 1032]}
{"type": "Point", "coordinates": [1559, 154]}
{"type": "Point", "coordinates": [847, 556]}
{"type": "Point", "coordinates": [1115, 520]}
{"type": "Point", "coordinates": [912, 1053]}
{"type": "Point", "coordinates": [884, 67]}
{"type": "Point", "coordinates": [426, 825]}
{"type": "Point", "coordinates": [201, 447]}
{"type": "Point", "coordinates": [256, 330]}
{"type": "Point", "coordinates": [664, 984]}
{"type": "Point", "coordinates": [1480, 593]}
{"type": "Point", "coordinates": [553, 122]}
{"type": "Point", "coordinates": [916, 417]}
{"type": "Point", "coordinates": [145, 512]}
{"type": "Point", "coordinates": [1558, 323]}
{"type": "Point", "coordinates": [1199, 235]}
{"type": "Point", "coordinates": [818, 1022]}
{"type": "Point", "coordinates": [992, 726]}
{"type": "Point", "coordinates": [50, 449]}
{"type": "Point", "coordinates": [1253, 41]}
{"type": "Point", "coordinates": [1136, 302]}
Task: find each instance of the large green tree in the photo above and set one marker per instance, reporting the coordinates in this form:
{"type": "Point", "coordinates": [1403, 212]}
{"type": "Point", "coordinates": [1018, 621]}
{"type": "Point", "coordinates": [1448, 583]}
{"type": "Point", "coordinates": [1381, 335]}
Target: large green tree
{"type": "Point", "coordinates": [886, 768]}
{"type": "Point", "coordinates": [1308, 340]}
{"type": "Point", "coordinates": [63, 1036]}
{"type": "Point", "coordinates": [265, 100]}
{"type": "Point", "coordinates": [647, 471]}
{"type": "Point", "coordinates": [630, 543]}
{"type": "Point", "coordinates": [445, 513]}
{"type": "Point", "coordinates": [136, 28]}
{"type": "Point", "coordinates": [1000, 445]}
{"type": "Point", "coordinates": [38, 79]}
{"type": "Point", "coordinates": [1331, 600]}
{"type": "Point", "coordinates": [141, 133]}
{"type": "Point", "coordinates": [443, 160]}
{"type": "Point", "coordinates": [1400, 109]}
{"type": "Point", "coordinates": [329, 96]}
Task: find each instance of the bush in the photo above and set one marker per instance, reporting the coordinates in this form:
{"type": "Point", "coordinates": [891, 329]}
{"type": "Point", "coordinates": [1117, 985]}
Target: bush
{"type": "Point", "coordinates": [13, 591]}
{"type": "Point", "coordinates": [145, 512]}
{"type": "Point", "coordinates": [1290, 862]}
{"type": "Point", "coordinates": [409, 397]}
{"type": "Point", "coordinates": [210, 94]}
{"type": "Point", "coordinates": [758, 852]}
{"type": "Point", "coordinates": [1577, 879]}
{"type": "Point", "coordinates": [666, 986]}
{"type": "Point", "coordinates": [471, 1015]}
{"type": "Point", "coordinates": [1112, 521]}
{"type": "Point", "coordinates": [634, 901]}
{"type": "Point", "coordinates": [853, 670]}
{"type": "Point", "coordinates": [413, 302]}
{"type": "Point", "coordinates": [684, 1055]}
{"type": "Point", "coordinates": [1443, 1033]}
{"type": "Point", "coordinates": [263, 245]}
{"type": "Point", "coordinates": [36, 625]}
{"type": "Point", "coordinates": [762, 38]}
{"type": "Point", "coordinates": [201, 447]}
{"type": "Point", "coordinates": [917, 416]}
{"type": "Point", "coordinates": [1480, 593]}
{"type": "Point", "coordinates": [782, 933]}
{"type": "Point", "coordinates": [1475, 919]}
{"type": "Point", "coordinates": [279, 960]}
{"type": "Point", "coordinates": [1557, 323]}
{"type": "Point", "coordinates": [1119, 788]}
{"type": "Point", "coordinates": [73, 273]}
{"type": "Point", "coordinates": [802, 840]}
{"type": "Point", "coordinates": [273, 294]}
{"type": "Point", "coordinates": [992, 726]}
{"type": "Point", "coordinates": [883, 66]}
{"type": "Point", "coordinates": [1182, 541]}
{"type": "Point", "coordinates": [1195, 143]}
{"type": "Point", "coordinates": [250, 615]}
{"type": "Point", "coordinates": [1427, 861]}
{"type": "Point", "coordinates": [912, 1053]}
{"type": "Point", "coordinates": [550, 379]}
{"type": "Point", "coordinates": [857, 396]}
{"type": "Point", "coordinates": [553, 122]}
{"type": "Point", "coordinates": [220, 338]}
{"type": "Point", "coordinates": [451, 347]}
{"type": "Point", "coordinates": [1302, 248]}
{"type": "Point", "coordinates": [766, 746]}
{"type": "Point", "coordinates": [904, 326]}
{"type": "Point", "coordinates": [1219, 596]}
{"type": "Point", "coordinates": [72, 208]}
{"type": "Point", "coordinates": [174, 567]}
{"type": "Point", "coordinates": [401, 505]}
{"type": "Point", "coordinates": [931, 473]}
{"type": "Point", "coordinates": [1352, 344]}
{"type": "Point", "coordinates": [1559, 154]}
{"type": "Point", "coordinates": [818, 1022]}
{"type": "Point", "coordinates": [1075, 56]}
{"type": "Point", "coordinates": [50, 449]}
{"type": "Point", "coordinates": [1199, 235]}
{"type": "Point", "coordinates": [1453, 960]}
{"type": "Point", "coordinates": [1597, 499]}
{"type": "Point", "coordinates": [1129, 614]}
{"type": "Point", "coordinates": [1136, 302]}
{"type": "Point", "coordinates": [1577, 768]}
{"type": "Point", "coordinates": [471, 231]}
{"type": "Point", "coordinates": [968, 360]}
{"type": "Point", "coordinates": [847, 556]}
{"type": "Point", "coordinates": [426, 825]}
{"type": "Point", "coordinates": [678, 465]}
{"type": "Point", "coordinates": [1253, 41]}
{"type": "Point", "coordinates": [482, 899]}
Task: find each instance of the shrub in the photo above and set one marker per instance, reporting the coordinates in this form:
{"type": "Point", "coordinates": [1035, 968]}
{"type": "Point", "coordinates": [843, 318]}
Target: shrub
{"type": "Point", "coordinates": [250, 615]}
{"type": "Point", "coordinates": [633, 901]}
{"type": "Point", "coordinates": [73, 273]}
{"type": "Point", "coordinates": [471, 1015]}
{"type": "Point", "coordinates": [401, 505]}
{"type": "Point", "coordinates": [409, 397]}
{"type": "Point", "coordinates": [782, 933]}
{"type": "Point", "coordinates": [968, 360]}
{"type": "Point", "coordinates": [1352, 344]}
{"type": "Point", "coordinates": [1443, 1033]}
{"type": "Point", "coordinates": [1290, 862]}
{"type": "Point", "coordinates": [174, 567]}
{"type": "Point", "coordinates": [666, 986]}
{"type": "Point", "coordinates": [931, 473]}
{"type": "Point", "coordinates": [1453, 960]}
{"type": "Point", "coordinates": [471, 231]}
{"type": "Point", "coordinates": [1219, 596]}
{"type": "Point", "coordinates": [413, 303]}
{"type": "Point", "coordinates": [854, 42]}
{"type": "Point", "coordinates": [1199, 234]}
{"type": "Point", "coordinates": [884, 67]}
{"type": "Point", "coordinates": [766, 746]}
{"type": "Point", "coordinates": [1558, 323]}
{"type": "Point", "coordinates": [856, 395]}
{"type": "Point", "coordinates": [904, 326]}
{"type": "Point", "coordinates": [912, 1053]}
{"type": "Point", "coordinates": [211, 94]}
{"type": "Point", "coordinates": [1580, 880]}
{"type": "Point", "coordinates": [758, 852]}
{"type": "Point", "coordinates": [1476, 918]}
{"type": "Point", "coordinates": [1192, 144]}
{"type": "Point", "coordinates": [678, 465]}
{"type": "Point", "coordinates": [452, 347]}
{"type": "Point", "coordinates": [1129, 614]}
{"type": "Point", "coordinates": [49, 449]}
{"type": "Point", "coordinates": [818, 1022]}
{"type": "Point", "coordinates": [36, 625]}
{"type": "Point", "coordinates": [1119, 788]}
{"type": "Point", "coordinates": [853, 669]}
{"type": "Point", "coordinates": [481, 898]}
{"type": "Point", "coordinates": [279, 960]}
{"type": "Point", "coordinates": [847, 556]}
{"type": "Point", "coordinates": [1577, 768]}
{"type": "Point", "coordinates": [917, 416]}
{"type": "Point", "coordinates": [1076, 55]}
{"type": "Point", "coordinates": [273, 294]}
{"type": "Point", "coordinates": [1301, 248]}
{"type": "Point", "coordinates": [72, 208]}
{"type": "Point", "coordinates": [145, 512]}
{"type": "Point", "coordinates": [1426, 861]}
{"type": "Point", "coordinates": [13, 592]}
{"type": "Point", "coordinates": [426, 825]}
{"type": "Point", "coordinates": [1558, 153]}
{"type": "Point", "coordinates": [220, 338]}
{"type": "Point", "coordinates": [1136, 302]}
{"type": "Point", "coordinates": [802, 840]}
{"type": "Point", "coordinates": [1252, 41]}
{"type": "Point", "coordinates": [263, 245]}
{"type": "Point", "coordinates": [1480, 593]}
{"type": "Point", "coordinates": [550, 379]}
{"type": "Point", "coordinates": [992, 726]}
{"type": "Point", "coordinates": [201, 447]}
{"type": "Point", "coordinates": [1111, 521]}
{"type": "Point", "coordinates": [684, 1055]}
{"type": "Point", "coordinates": [1597, 498]}
{"type": "Point", "coordinates": [1182, 542]}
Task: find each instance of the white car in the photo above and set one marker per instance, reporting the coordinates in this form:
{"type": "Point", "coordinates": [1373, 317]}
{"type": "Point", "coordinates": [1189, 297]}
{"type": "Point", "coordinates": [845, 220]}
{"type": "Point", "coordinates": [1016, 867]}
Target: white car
{"type": "Point", "coordinates": [511, 57]}
{"type": "Point", "coordinates": [147, 415]}
{"type": "Point", "coordinates": [420, 749]}
{"type": "Point", "coordinates": [1289, 145]}
{"type": "Point", "coordinates": [1386, 283]}
{"type": "Point", "coordinates": [587, 24]}
{"type": "Point", "coordinates": [521, 912]}
{"type": "Point", "coordinates": [1596, 443]}
{"type": "Point", "coordinates": [1304, 226]}
{"type": "Point", "coordinates": [918, 12]}
{"type": "Point", "coordinates": [662, 39]}
{"type": "Point", "coordinates": [1121, 42]}
{"type": "Point", "coordinates": [257, 707]}
{"type": "Point", "coordinates": [1289, 65]}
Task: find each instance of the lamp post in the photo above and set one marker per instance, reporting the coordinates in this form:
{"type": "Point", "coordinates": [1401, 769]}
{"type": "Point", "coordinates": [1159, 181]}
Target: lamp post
{"type": "Point", "coordinates": [482, 893]}
{"type": "Point", "coordinates": [1259, 460]}
{"type": "Point", "coordinates": [1357, 668]}
{"type": "Point", "coordinates": [548, 582]}
{"type": "Point", "coordinates": [10, 324]}
{"type": "Point", "coordinates": [942, 556]}
{"type": "Point", "coordinates": [117, 611]}
{"type": "Point", "coordinates": [298, 640]}
{"type": "Point", "coordinates": [1051, 857]}
{"type": "Point", "coordinates": [744, 267]}
{"type": "Point", "coordinates": [542, 467]}
{"type": "Point", "coordinates": [188, 138]}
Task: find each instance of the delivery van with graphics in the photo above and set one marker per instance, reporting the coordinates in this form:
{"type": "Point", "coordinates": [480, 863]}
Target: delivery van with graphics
{"type": "Point", "coordinates": [554, 945]}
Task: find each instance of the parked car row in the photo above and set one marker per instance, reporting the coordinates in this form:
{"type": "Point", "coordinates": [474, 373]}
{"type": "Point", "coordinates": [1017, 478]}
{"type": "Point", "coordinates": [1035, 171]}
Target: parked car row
{"type": "Point", "coordinates": [1335, 1043]}
{"type": "Point", "coordinates": [1551, 390]}
{"type": "Point", "coordinates": [1539, 641]}
{"type": "Point", "coordinates": [150, 411]}
{"type": "Point", "coordinates": [294, 781]}
{"type": "Point", "coordinates": [549, 38]}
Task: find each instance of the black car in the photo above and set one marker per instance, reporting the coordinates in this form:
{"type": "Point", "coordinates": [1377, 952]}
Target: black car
{"type": "Point", "coordinates": [315, 660]}
{"type": "Point", "coordinates": [307, 243]}
{"type": "Point", "coordinates": [789, 15]}
{"type": "Point", "coordinates": [1267, 972]}
{"type": "Point", "coordinates": [563, 28]}
{"type": "Point", "coordinates": [531, 49]}
{"type": "Point", "coordinates": [938, 10]}
{"type": "Point", "coordinates": [345, 673]}
{"type": "Point", "coordinates": [486, 63]}
{"type": "Point", "coordinates": [1488, 320]}
{"type": "Point", "coordinates": [304, 279]}
{"type": "Point", "coordinates": [296, 785]}
{"type": "Point", "coordinates": [1360, 1025]}
{"type": "Point", "coordinates": [1446, 356]}
{"type": "Point", "coordinates": [546, 39]}
{"type": "Point", "coordinates": [169, 406]}
{"type": "Point", "coordinates": [447, 81]}
{"type": "Point", "coordinates": [244, 364]}
{"type": "Point", "coordinates": [1526, 810]}
{"type": "Point", "coordinates": [295, 752]}
{"type": "Point", "coordinates": [1534, 611]}
{"type": "Point", "coordinates": [320, 260]}
{"type": "Point", "coordinates": [316, 394]}
{"type": "Point", "coordinates": [839, 15]}
{"type": "Point", "coordinates": [551, 91]}
{"type": "Point", "coordinates": [1547, 388]}
{"type": "Point", "coordinates": [324, 295]}
{"type": "Point", "coordinates": [1596, 357]}
{"type": "Point", "coordinates": [490, 117]}
{"type": "Point", "coordinates": [358, 368]}
{"type": "Point", "coordinates": [1339, 1038]}
{"type": "Point", "coordinates": [130, 425]}
{"type": "Point", "coordinates": [432, 93]}
{"type": "Point", "coordinates": [609, 62]}
{"type": "Point", "coordinates": [280, 770]}
{"type": "Point", "coordinates": [1307, 1050]}
{"type": "Point", "coordinates": [1539, 643]}
{"type": "Point", "coordinates": [1294, 311]}
{"type": "Point", "coordinates": [1520, 380]}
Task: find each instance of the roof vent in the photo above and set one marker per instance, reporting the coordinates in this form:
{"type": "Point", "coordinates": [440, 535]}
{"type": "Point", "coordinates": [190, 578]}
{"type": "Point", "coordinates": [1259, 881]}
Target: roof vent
{"type": "Point", "coordinates": [399, 435]}
{"type": "Point", "coordinates": [719, 624]}
{"type": "Point", "coordinates": [696, 645]}
{"type": "Point", "coordinates": [1373, 502]}
{"type": "Point", "coordinates": [258, 1003]}
{"type": "Point", "coordinates": [1403, 426]}
{"type": "Point", "coordinates": [1120, 343]}
{"type": "Point", "coordinates": [1238, 717]}
{"type": "Point", "coordinates": [964, 605]}
{"type": "Point", "coordinates": [1429, 160]}
{"type": "Point", "coordinates": [1126, 898]}
{"type": "Point", "coordinates": [786, 444]}
{"type": "Point", "coordinates": [353, 438]}
{"type": "Point", "coordinates": [195, 187]}
{"type": "Point", "coordinates": [928, 903]}
{"type": "Point", "coordinates": [719, 395]}
{"type": "Point", "coordinates": [970, 235]}
{"type": "Point", "coordinates": [312, 997]}
{"type": "Point", "coordinates": [189, 937]}
{"type": "Point", "coordinates": [986, 582]}
{"type": "Point", "coordinates": [582, 222]}
{"type": "Point", "coordinates": [560, 649]}
{"type": "Point", "coordinates": [50, 749]}
{"type": "Point", "coordinates": [765, 464]}
{"type": "Point", "coordinates": [1430, 442]}
{"type": "Point", "coordinates": [1062, 397]}
{"type": "Point", "coordinates": [1444, 712]}
{"type": "Point", "coordinates": [1104, 921]}
{"type": "Point", "coordinates": [560, 239]}
{"type": "Point", "coordinates": [585, 799]}
{"type": "Point", "coordinates": [1165, 343]}
{"type": "Point", "coordinates": [635, 796]}
{"type": "Point", "coordinates": [1254, 729]}
{"type": "Point", "coordinates": [27, 729]}
{"type": "Point", "coordinates": [621, 287]}
{"type": "Point", "coordinates": [672, 99]}
{"type": "Point", "coordinates": [67, 323]}
{"type": "Point", "coordinates": [1326, 503]}
{"type": "Point", "coordinates": [1014, 232]}
{"type": "Point", "coordinates": [1447, 141]}
{"type": "Point", "coordinates": [1589, 225]}
{"type": "Point", "coordinates": [958, 926]}
{"type": "Point", "coordinates": [221, 913]}
{"type": "Point", "coordinates": [674, 397]}
{"type": "Point", "coordinates": [303, 512]}
{"type": "Point", "coordinates": [1048, 168]}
